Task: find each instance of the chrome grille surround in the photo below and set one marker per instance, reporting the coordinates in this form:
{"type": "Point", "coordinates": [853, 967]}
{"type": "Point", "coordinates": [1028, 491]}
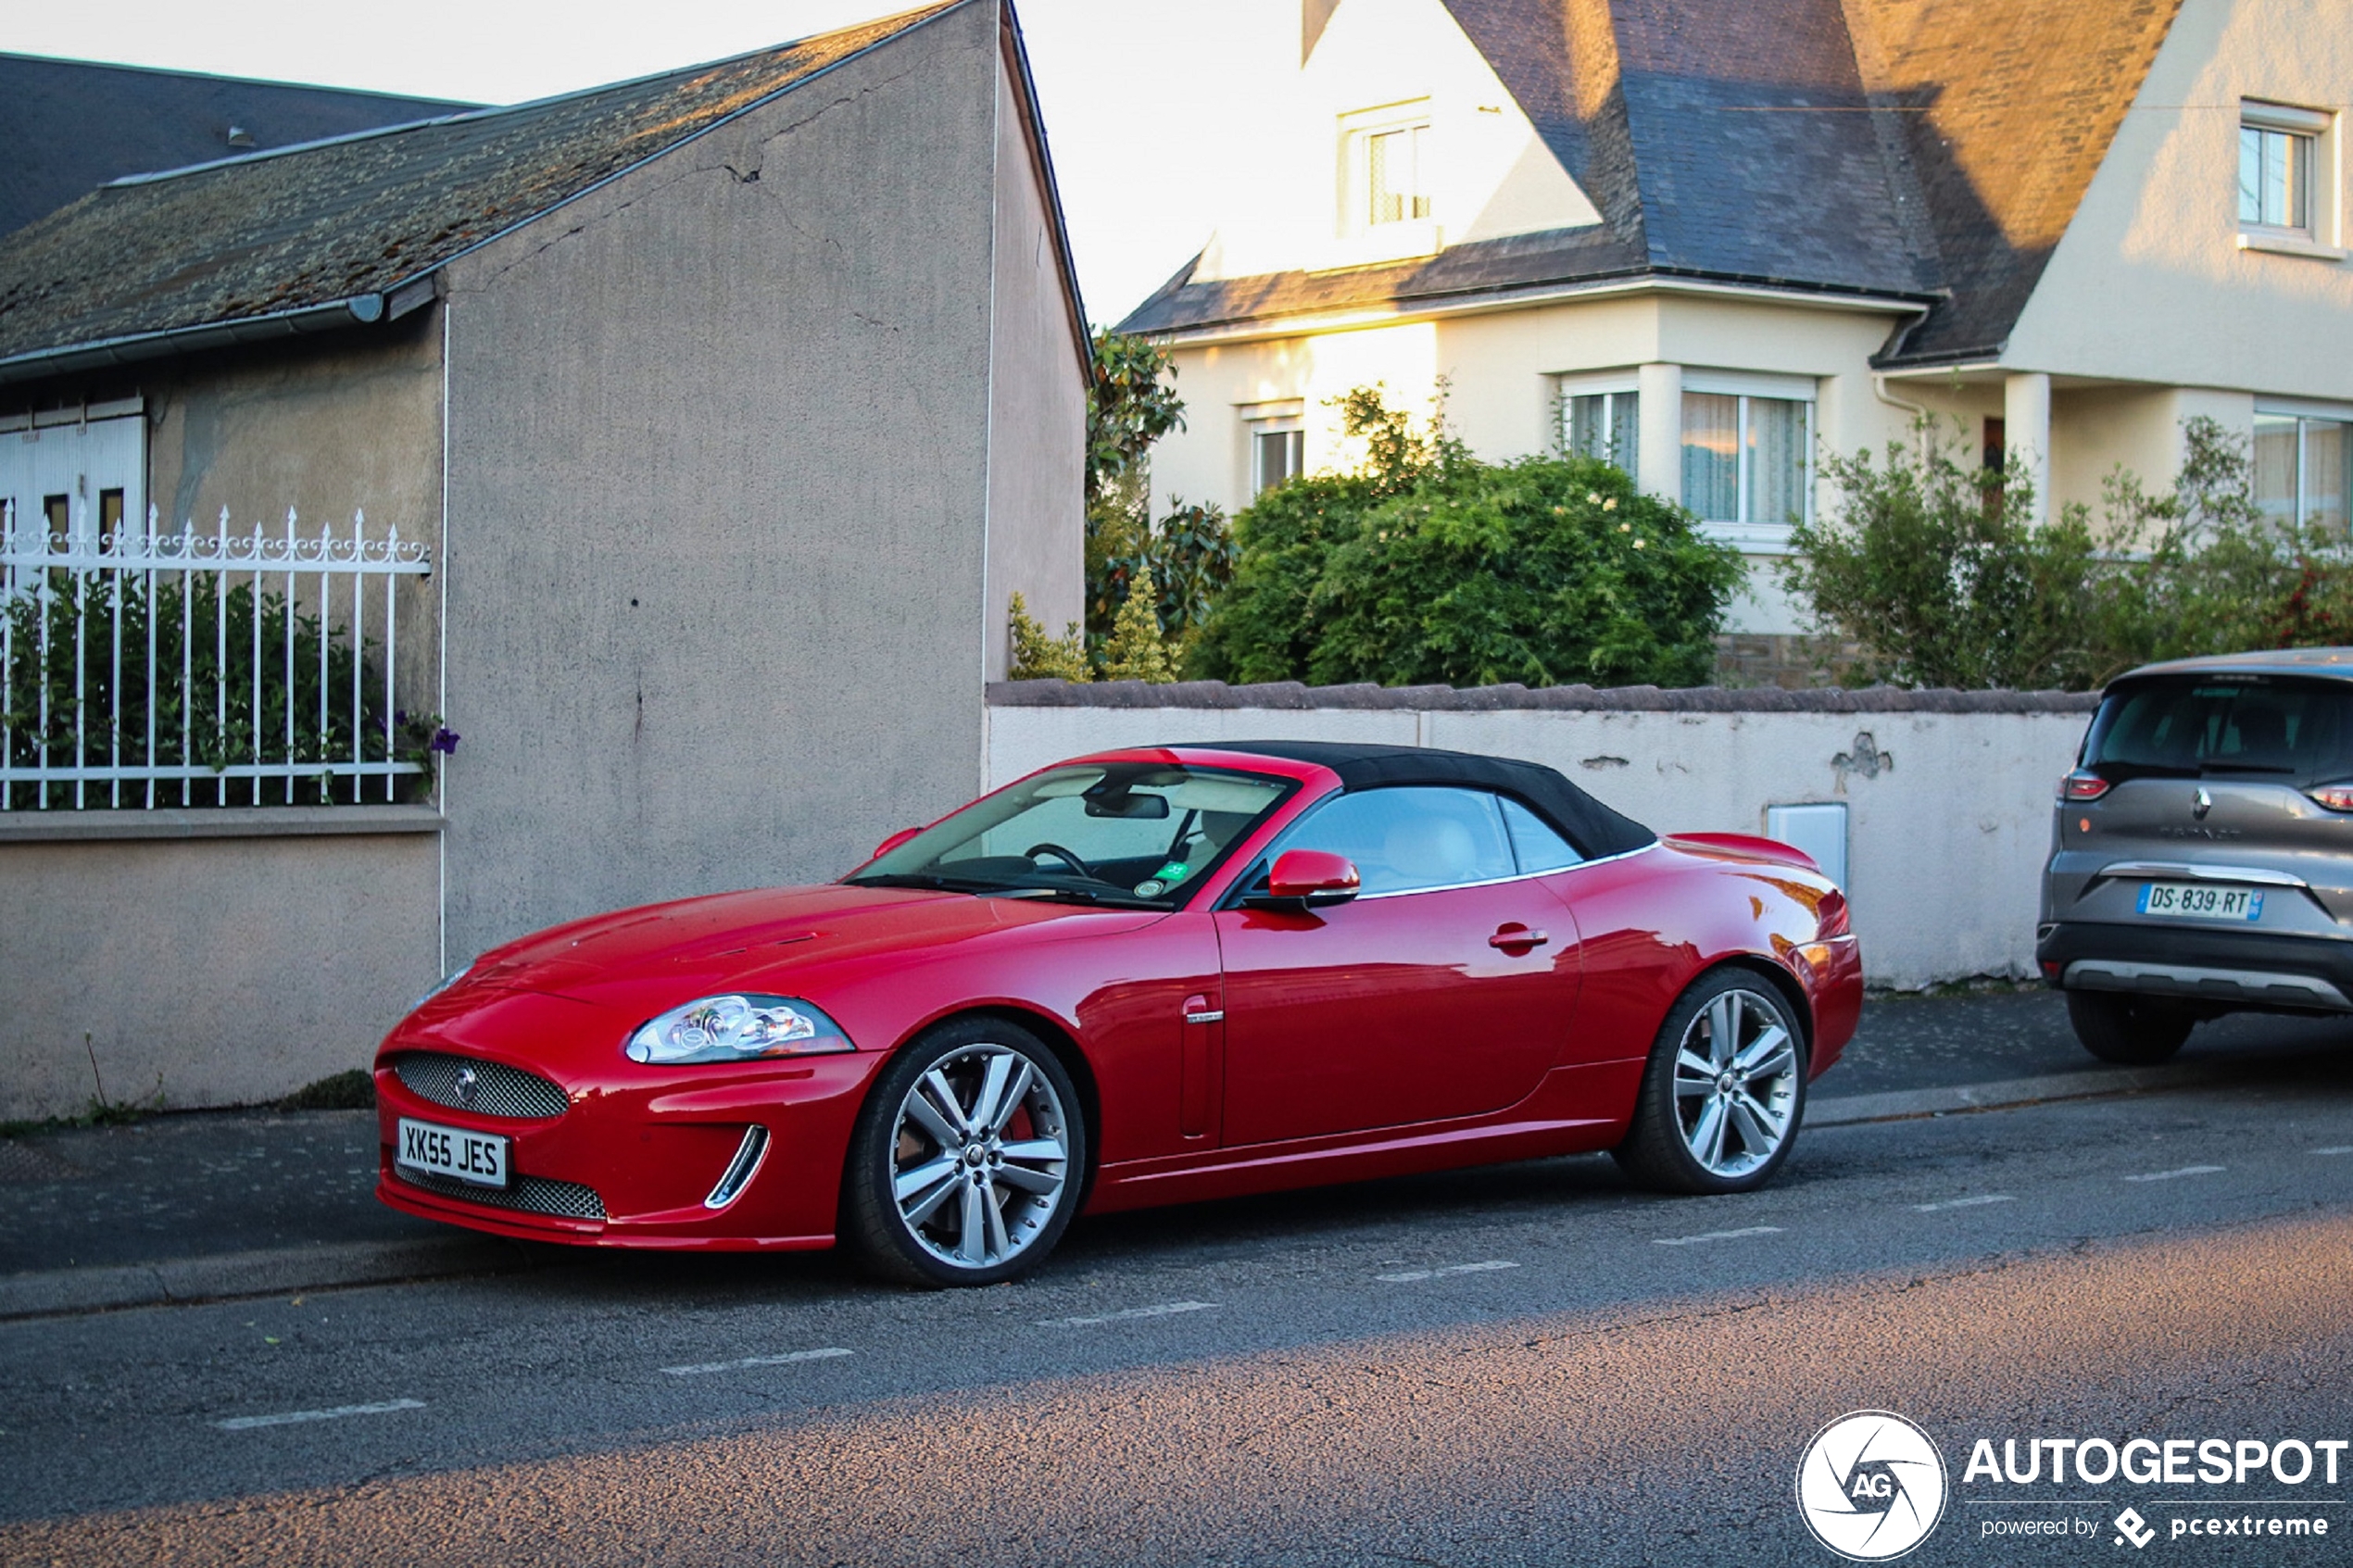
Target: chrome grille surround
{"type": "Point", "coordinates": [532, 1195]}
{"type": "Point", "coordinates": [498, 1089]}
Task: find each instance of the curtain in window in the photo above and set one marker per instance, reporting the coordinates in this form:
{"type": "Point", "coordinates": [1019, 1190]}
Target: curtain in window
{"type": "Point", "coordinates": [1603, 425]}
{"type": "Point", "coordinates": [1711, 456]}
{"type": "Point", "coordinates": [2275, 466]}
{"type": "Point", "coordinates": [2328, 473]}
{"type": "Point", "coordinates": [1776, 460]}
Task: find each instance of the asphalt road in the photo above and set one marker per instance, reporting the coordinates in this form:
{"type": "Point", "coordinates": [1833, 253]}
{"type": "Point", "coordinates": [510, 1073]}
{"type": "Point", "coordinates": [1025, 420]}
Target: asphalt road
{"type": "Point", "coordinates": [1523, 1364]}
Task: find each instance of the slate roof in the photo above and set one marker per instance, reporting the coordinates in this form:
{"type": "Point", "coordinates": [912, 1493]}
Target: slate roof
{"type": "Point", "coordinates": [1915, 149]}
{"type": "Point", "coordinates": [361, 216]}
{"type": "Point", "coordinates": [70, 125]}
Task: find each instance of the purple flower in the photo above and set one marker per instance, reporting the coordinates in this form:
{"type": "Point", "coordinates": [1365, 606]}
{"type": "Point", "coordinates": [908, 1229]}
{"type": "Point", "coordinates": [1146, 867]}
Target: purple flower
{"type": "Point", "coordinates": [445, 740]}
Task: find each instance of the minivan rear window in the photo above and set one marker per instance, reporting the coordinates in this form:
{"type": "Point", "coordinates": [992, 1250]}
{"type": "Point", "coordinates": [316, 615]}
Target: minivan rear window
{"type": "Point", "coordinates": [2299, 732]}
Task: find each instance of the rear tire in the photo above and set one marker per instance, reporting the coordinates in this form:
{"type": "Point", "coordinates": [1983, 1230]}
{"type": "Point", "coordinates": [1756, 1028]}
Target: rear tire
{"type": "Point", "coordinates": [1724, 1090]}
{"type": "Point", "coordinates": [2128, 1030]}
{"type": "Point", "coordinates": [968, 1157]}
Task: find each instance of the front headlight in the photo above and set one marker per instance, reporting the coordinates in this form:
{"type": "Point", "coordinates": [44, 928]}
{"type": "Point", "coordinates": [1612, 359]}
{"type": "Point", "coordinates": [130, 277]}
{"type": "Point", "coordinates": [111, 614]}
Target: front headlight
{"type": "Point", "coordinates": [737, 1028]}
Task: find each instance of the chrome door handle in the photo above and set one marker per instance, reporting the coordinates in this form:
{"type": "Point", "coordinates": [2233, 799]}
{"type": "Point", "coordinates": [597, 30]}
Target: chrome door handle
{"type": "Point", "coordinates": [1523, 938]}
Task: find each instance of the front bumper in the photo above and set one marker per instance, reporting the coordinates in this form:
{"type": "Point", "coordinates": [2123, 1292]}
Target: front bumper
{"type": "Point", "coordinates": [633, 1161]}
{"type": "Point", "coordinates": [2231, 969]}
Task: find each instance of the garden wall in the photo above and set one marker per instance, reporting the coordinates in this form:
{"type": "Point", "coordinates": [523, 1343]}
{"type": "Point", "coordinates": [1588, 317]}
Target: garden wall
{"type": "Point", "coordinates": [218, 957]}
{"type": "Point", "coordinates": [1948, 793]}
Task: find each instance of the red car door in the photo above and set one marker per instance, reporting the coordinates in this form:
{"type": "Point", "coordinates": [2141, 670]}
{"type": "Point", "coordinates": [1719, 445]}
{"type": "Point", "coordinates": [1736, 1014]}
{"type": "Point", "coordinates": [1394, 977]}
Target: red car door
{"type": "Point", "coordinates": [1445, 990]}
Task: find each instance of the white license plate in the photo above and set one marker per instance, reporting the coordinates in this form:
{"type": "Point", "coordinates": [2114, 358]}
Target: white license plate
{"type": "Point", "coordinates": [479, 1157]}
{"type": "Point", "coordinates": [2198, 900]}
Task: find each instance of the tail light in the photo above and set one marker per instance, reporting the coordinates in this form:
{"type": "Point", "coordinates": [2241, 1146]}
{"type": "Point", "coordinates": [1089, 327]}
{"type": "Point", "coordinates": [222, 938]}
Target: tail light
{"type": "Point", "coordinates": [1829, 916]}
{"type": "Point", "coordinates": [2336, 797]}
{"type": "Point", "coordinates": [2082, 785]}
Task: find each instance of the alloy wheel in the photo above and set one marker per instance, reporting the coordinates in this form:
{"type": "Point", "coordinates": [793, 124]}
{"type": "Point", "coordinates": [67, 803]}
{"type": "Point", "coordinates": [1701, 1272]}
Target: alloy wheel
{"type": "Point", "coordinates": [1735, 1082]}
{"type": "Point", "coordinates": [980, 1156]}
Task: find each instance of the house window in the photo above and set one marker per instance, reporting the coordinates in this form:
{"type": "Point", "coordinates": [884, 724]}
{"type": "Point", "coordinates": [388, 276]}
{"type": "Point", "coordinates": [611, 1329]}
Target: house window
{"type": "Point", "coordinates": [1395, 192]}
{"type": "Point", "coordinates": [1386, 175]}
{"type": "Point", "coordinates": [1748, 461]}
{"type": "Point", "coordinates": [1601, 424]}
{"type": "Point", "coordinates": [1277, 453]}
{"type": "Point", "coordinates": [2304, 468]}
{"type": "Point", "coordinates": [2284, 173]}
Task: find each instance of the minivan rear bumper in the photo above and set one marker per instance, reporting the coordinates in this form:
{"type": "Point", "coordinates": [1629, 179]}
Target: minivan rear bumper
{"type": "Point", "coordinates": [2228, 969]}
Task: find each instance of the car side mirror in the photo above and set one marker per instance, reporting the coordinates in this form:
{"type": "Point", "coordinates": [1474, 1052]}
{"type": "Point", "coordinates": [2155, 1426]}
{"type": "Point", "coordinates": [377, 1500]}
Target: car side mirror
{"type": "Point", "coordinates": [1307, 879]}
{"type": "Point", "coordinates": [893, 841]}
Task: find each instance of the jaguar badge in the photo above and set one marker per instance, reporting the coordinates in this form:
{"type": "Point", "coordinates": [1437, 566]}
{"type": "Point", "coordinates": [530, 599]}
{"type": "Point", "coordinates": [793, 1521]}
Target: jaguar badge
{"type": "Point", "coordinates": [468, 1081]}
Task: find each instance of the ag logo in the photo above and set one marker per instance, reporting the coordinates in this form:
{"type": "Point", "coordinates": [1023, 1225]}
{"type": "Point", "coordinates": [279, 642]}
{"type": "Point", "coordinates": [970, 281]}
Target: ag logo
{"type": "Point", "coordinates": [1871, 1486]}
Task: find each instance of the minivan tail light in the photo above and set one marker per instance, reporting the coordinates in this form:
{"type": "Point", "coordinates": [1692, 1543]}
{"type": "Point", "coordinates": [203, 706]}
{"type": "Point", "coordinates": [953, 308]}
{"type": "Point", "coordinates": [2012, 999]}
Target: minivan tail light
{"type": "Point", "coordinates": [2336, 797]}
{"type": "Point", "coordinates": [2081, 786]}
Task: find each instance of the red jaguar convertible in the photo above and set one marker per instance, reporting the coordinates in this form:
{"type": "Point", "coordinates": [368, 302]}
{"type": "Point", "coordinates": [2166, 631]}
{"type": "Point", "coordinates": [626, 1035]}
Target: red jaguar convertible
{"type": "Point", "coordinates": [1148, 976]}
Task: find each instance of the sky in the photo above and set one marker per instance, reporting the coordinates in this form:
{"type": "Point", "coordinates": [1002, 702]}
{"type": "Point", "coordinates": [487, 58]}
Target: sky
{"type": "Point", "coordinates": [1147, 102]}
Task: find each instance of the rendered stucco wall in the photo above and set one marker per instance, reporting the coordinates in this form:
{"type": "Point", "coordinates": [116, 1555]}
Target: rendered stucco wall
{"type": "Point", "coordinates": [717, 479]}
{"type": "Point", "coordinates": [208, 970]}
{"type": "Point", "coordinates": [1037, 409]}
{"type": "Point", "coordinates": [1948, 819]}
{"type": "Point", "coordinates": [2149, 282]}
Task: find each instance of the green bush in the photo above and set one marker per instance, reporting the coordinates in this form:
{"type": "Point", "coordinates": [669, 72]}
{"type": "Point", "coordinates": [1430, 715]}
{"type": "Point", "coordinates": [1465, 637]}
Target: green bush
{"type": "Point", "coordinates": [1935, 568]}
{"type": "Point", "coordinates": [1430, 566]}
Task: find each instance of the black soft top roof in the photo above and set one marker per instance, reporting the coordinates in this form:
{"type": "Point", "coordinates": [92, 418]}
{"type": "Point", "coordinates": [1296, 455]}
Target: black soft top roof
{"type": "Point", "coordinates": [1593, 828]}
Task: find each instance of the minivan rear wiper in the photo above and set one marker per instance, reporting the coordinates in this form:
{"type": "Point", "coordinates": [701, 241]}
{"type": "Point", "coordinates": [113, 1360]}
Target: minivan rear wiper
{"type": "Point", "coordinates": [2244, 768]}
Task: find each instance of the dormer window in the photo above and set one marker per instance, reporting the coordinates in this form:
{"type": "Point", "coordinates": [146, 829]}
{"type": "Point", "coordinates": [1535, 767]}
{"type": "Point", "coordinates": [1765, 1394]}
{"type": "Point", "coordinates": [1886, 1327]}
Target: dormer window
{"type": "Point", "coordinates": [1394, 191]}
{"type": "Point", "coordinates": [1385, 166]}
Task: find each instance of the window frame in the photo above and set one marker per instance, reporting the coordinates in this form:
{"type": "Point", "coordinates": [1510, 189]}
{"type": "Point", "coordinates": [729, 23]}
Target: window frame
{"type": "Point", "coordinates": [1357, 129]}
{"type": "Point", "coordinates": [2316, 133]}
{"type": "Point", "coordinates": [1611, 386]}
{"type": "Point", "coordinates": [2305, 414]}
{"type": "Point", "coordinates": [1278, 416]}
{"type": "Point", "coordinates": [1753, 535]}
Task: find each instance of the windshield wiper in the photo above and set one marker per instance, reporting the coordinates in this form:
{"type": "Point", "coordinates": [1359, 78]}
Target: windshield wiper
{"type": "Point", "coordinates": [2244, 768]}
{"type": "Point", "coordinates": [1083, 895]}
{"type": "Point", "coordinates": [922, 879]}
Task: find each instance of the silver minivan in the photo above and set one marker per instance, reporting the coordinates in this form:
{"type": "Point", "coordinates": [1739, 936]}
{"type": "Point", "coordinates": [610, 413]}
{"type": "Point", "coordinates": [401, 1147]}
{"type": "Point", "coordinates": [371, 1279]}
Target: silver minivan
{"type": "Point", "coordinates": [2202, 853]}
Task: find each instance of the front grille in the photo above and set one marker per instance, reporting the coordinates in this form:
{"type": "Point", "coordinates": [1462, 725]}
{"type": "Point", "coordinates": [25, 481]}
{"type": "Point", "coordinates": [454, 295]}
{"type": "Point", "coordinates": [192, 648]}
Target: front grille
{"type": "Point", "coordinates": [532, 1195]}
{"type": "Point", "coordinates": [498, 1089]}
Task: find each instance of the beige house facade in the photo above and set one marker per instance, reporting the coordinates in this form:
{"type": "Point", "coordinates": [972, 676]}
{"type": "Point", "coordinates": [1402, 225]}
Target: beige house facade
{"type": "Point", "coordinates": [1712, 243]}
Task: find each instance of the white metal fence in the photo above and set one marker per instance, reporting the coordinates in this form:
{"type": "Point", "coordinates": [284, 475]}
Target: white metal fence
{"type": "Point", "coordinates": [141, 669]}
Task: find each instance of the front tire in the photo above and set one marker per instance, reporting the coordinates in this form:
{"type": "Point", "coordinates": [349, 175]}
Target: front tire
{"type": "Point", "coordinates": [1724, 1090]}
{"type": "Point", "coordinates": [967, 1160]}
{"type": "Point", "coordinates": [2130, 1031]}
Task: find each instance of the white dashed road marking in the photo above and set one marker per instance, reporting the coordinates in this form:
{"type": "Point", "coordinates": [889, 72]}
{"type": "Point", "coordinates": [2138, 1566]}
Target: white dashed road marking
{"type": "Point", "coordinates": [289, 1418]}
{"type": "Point", "coordinates": [1413, 1274]}
{"type": "Point", "coordinates": [1978, 1201]}
{"type": "Point", "coordinates": [1166, 1309]}
{"type": "Point", "coordinates": [741, 1363]}
{"type": "Point", "coordinates": [1716, 1236]}
{"type": "Point", "coordinates": [2184, 1171]}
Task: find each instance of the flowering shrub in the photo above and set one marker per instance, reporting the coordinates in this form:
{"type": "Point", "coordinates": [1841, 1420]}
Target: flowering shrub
{"type": "Point", "coordinates": [1430, 566]}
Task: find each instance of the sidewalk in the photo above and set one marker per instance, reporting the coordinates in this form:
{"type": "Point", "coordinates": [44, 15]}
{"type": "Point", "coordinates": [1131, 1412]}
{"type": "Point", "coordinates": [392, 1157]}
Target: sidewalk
{"type": "Point", "coordinates": [202, 1204]}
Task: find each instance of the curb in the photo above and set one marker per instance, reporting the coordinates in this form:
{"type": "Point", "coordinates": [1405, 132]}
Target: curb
{"type": "Point", "coordinates": [1847, 1109]}
{"type": "Point", "coordinates": [264, 1273]}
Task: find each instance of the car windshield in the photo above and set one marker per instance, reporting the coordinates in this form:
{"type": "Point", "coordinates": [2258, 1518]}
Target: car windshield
{"type": "Point", "coordinates": [1134, 835]}
{"type": "Point", "coordinates": [2295, 732]}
